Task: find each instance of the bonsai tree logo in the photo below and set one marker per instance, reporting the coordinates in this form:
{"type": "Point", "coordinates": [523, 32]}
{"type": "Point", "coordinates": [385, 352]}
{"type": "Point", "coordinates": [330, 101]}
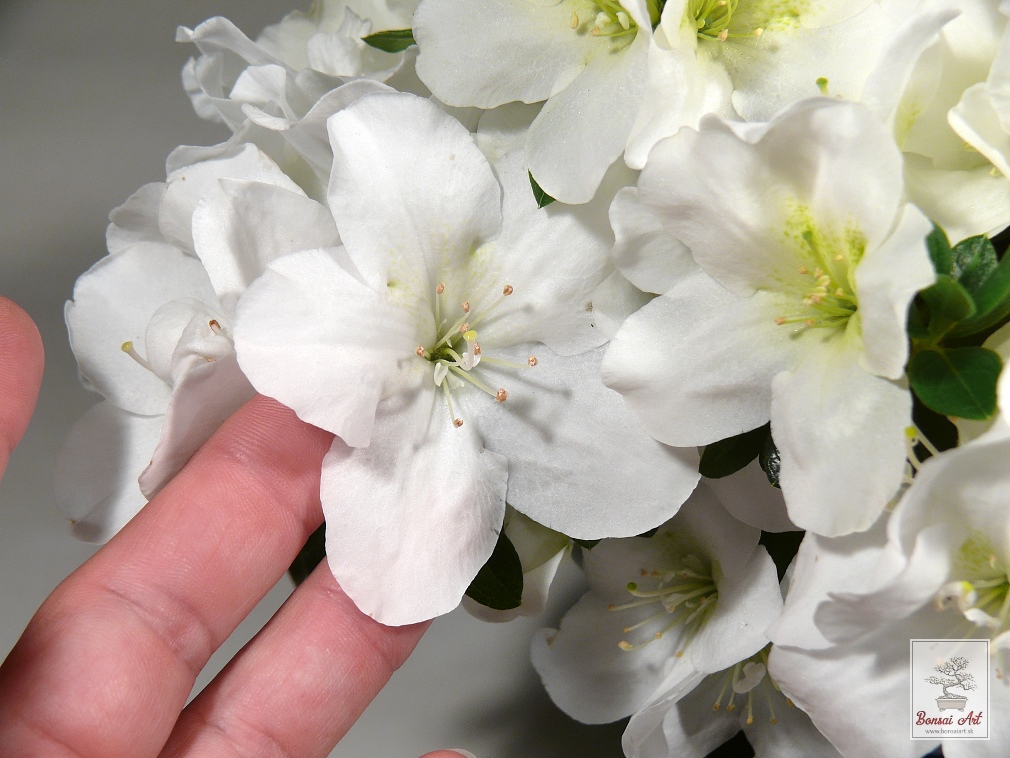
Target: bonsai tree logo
{"type": "Point", "coordinates": [953, 673]}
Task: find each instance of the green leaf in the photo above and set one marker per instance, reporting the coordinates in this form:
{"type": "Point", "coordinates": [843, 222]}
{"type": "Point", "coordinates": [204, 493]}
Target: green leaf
{"type": "Point", "coordinates": [974, 260]}
{"type": "Point", "coordinates": [728, 456]}
{"type": "Point", "coordinates": [771, 461]}
{"type": "Point", "coordinates": [948, 303]}
{"type": "Point", "coordinates": [499, 583]}
{"type": "Point", "coordinates": [992, 301]}
{"type": "Point", "coordinates": [939, 250]}
{"type": "Point", "coordinates": [542, 198]}
{"type": "Point", "coordinates": [958, 381]}
{"type": "Point", "coordinates": [310, 556]}
{"type": "Point", "coordinates": [391, 41]}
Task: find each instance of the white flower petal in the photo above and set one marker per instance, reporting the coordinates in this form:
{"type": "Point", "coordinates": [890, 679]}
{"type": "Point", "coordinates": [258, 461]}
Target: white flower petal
{"type": "Point", "coordinates": [202, 400]}
{"type": "Point", "coordinates": [841, 434]}
{"type": "Point", "coordinates": [472, 53]}
{"type": "Point", "coordinates": [886, 281]}
{"type": "Point", "coordinates": [748, 496]}
{"type": "Point", "coordinates": [574, 452]}
{"type": "Point", "coordinates": [97, 468]}
{"type": "Point", "coordinates": [644, 252]}
{"type": "Point", "coordinates": [239, 231]}
{"type": "Point", "coordinates": [411, 518]}
{"type": "Point", "coordinates": [583, 129]}
{"type": "Point", "coordinates": [695, 365]}
{"type": "Point", "coordinates": [314, 337]}
{"type": "Point", "coordinates": [113, 304]}
{"type": "Point", "coordinates": [189, 184]}
{"type": "Point", "coordinates": [136, 220]}
{"type": "Point", "coordinates": [448, 200]}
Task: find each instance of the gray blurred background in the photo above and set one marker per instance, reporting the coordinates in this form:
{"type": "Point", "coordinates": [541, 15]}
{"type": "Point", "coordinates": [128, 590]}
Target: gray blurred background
{"type": "Point", "coordinates": [90, 106]}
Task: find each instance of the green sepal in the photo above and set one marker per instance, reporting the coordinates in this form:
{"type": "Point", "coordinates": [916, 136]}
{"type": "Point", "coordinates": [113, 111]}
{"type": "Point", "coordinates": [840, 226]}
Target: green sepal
{"type": "Point", "coordinates": [771, 461]}
{"type": "Point", "coordinates": [499, 583]}
{"type": "Point", "coordinates": [958, 381]}
{"type": "Point", "coordinates": [542, 198]}
{"type": "Point", "coordinates": [728, 456]}
{"type": "Point", "coordinates": [310, 556]}
{"type": "Point", "coordinates": [391, 41]}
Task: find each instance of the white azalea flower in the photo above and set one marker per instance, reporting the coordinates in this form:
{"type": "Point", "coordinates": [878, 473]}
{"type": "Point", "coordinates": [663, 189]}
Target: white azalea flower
{"type": "Point", "coordinates": [662, 612]}
{"type": "Point", "coordinates": [948, 127]}
{"type": "Point", "coordinates": [938, 568]}
{"type": "Point", "coordinates": [418, 354]}
{"type": "Point", "coordinates": [694, 718]}
{"type": "Point", "coordinates": [150, 325]}
{"type": "Point", "coordinates": [808, 260]}
{"type": "Point", "coordinates": [586, 60]}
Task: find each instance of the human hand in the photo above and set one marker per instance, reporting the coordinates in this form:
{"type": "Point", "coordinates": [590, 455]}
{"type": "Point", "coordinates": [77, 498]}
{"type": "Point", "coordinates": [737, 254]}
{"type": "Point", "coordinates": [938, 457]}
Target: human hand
{"type": "Point", "coordinates": [107, 663]}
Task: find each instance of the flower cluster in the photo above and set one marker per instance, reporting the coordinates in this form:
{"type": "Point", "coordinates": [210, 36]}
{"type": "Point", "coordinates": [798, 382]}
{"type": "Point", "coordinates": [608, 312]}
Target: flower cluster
{"type": "Point", "coordinates": [699, 292]}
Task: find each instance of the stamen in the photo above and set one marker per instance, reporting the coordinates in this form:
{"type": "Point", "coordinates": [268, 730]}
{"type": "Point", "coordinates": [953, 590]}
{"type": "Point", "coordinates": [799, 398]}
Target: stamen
{"type": "Point", "coordinates": [507, 290]}
{"type": "Point", "coordinates": [532, 361]}
{"type": "Point", "coordinates": [214, 326]}
{"type": "Point", "coordinates": [466, 306]}
{"type": "Point", "coordinates": [501, 396]}
{"type": "Point", "coordinates": [127, 347]}
{"type": "Point", "coordinates": [421, 352]}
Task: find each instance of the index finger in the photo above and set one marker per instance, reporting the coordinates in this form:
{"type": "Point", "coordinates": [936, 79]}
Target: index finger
{"type": "Point", "coordinates": [21, 360]}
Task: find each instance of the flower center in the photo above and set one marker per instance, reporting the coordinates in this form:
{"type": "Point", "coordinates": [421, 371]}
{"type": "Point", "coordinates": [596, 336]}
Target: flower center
{"type": "Point", "coordinates": [983, 599]}
{"type": "Point", "coordinates": [456, 351]}
{"type": "Point", "coordinates": [713, 19]}
{"type": "Point", "coordinates": [605, 18]}
{"type": "Point", "coordinates": [745, 678]}
{"type": "Point", "coordinates": [685, 594]}
{"type": "Point", "coordinates": [825, 286]}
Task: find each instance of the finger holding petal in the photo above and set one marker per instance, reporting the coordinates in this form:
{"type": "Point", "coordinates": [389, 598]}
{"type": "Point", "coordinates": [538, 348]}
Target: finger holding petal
{"type": "Point", "coordinates": [411, 518]}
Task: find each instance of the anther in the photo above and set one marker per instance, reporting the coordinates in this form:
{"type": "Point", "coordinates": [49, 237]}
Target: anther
{"type": "Point", "coordinates": [758, 32]}
{"type": "Point", "coordinates": [420, 352]}
{"type": "Point", "coordinates": [507, 290]}
{"type": "Point", "coordinates": [440, 288]}
{"type": "Point", "coordinates": [804, 270]}
{"type": "Point", "coordinates": [723, 35]}
{"type": "Point", "coordinates": [466, 306]}
{"type": "Point", "coordinates": [463, 328]}
{"type": "Point", "coordinates": [501, 395]}
{"type": "Point", "coordinates": [839, 257]}
{"type": "Point", "coordinates": [457, 422]}
{"type": "Point", "coordinates": [532, 361]}
{"type": "Point", "coordinates": [214, 326]}
{"type": "Point", "coordinates": [575, 21]}
{"type": "Point", "coordinates": [780, 320]}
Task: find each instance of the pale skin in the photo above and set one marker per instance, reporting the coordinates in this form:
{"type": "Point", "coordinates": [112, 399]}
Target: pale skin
{"type": "Point", "coordinates": [107, 663]}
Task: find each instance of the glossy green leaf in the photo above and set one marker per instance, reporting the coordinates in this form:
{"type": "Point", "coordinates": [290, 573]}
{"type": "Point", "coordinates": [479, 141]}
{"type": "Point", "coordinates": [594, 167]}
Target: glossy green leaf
{"type": "Point", "coordinates": [310, 556]}
{"type": "Point", "coordinates": [948, 302]}
{"type": "Point", "coordinates": [728, 456]}
{"type": "Point", "coordinates": [771, 461]}
{"type": "Point", "coordinates": [542, 198]}
{"type": "Point", "coordinates": [499, 583]}
{"type": "Point", "coordinates": [782, 547]}
{"type": "Point", "coordinates": [974, 259]}
{"type": "Point", "coordinates": [957, 381]}
{"type": "Point", "coordinates": [391, 41]}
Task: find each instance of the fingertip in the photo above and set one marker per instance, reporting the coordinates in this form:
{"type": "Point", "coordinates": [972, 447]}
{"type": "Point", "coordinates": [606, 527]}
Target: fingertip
{"type": "Point", "coordinates": [21, 363]}
{"type": "Point", "coordinates": [454, 753]}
